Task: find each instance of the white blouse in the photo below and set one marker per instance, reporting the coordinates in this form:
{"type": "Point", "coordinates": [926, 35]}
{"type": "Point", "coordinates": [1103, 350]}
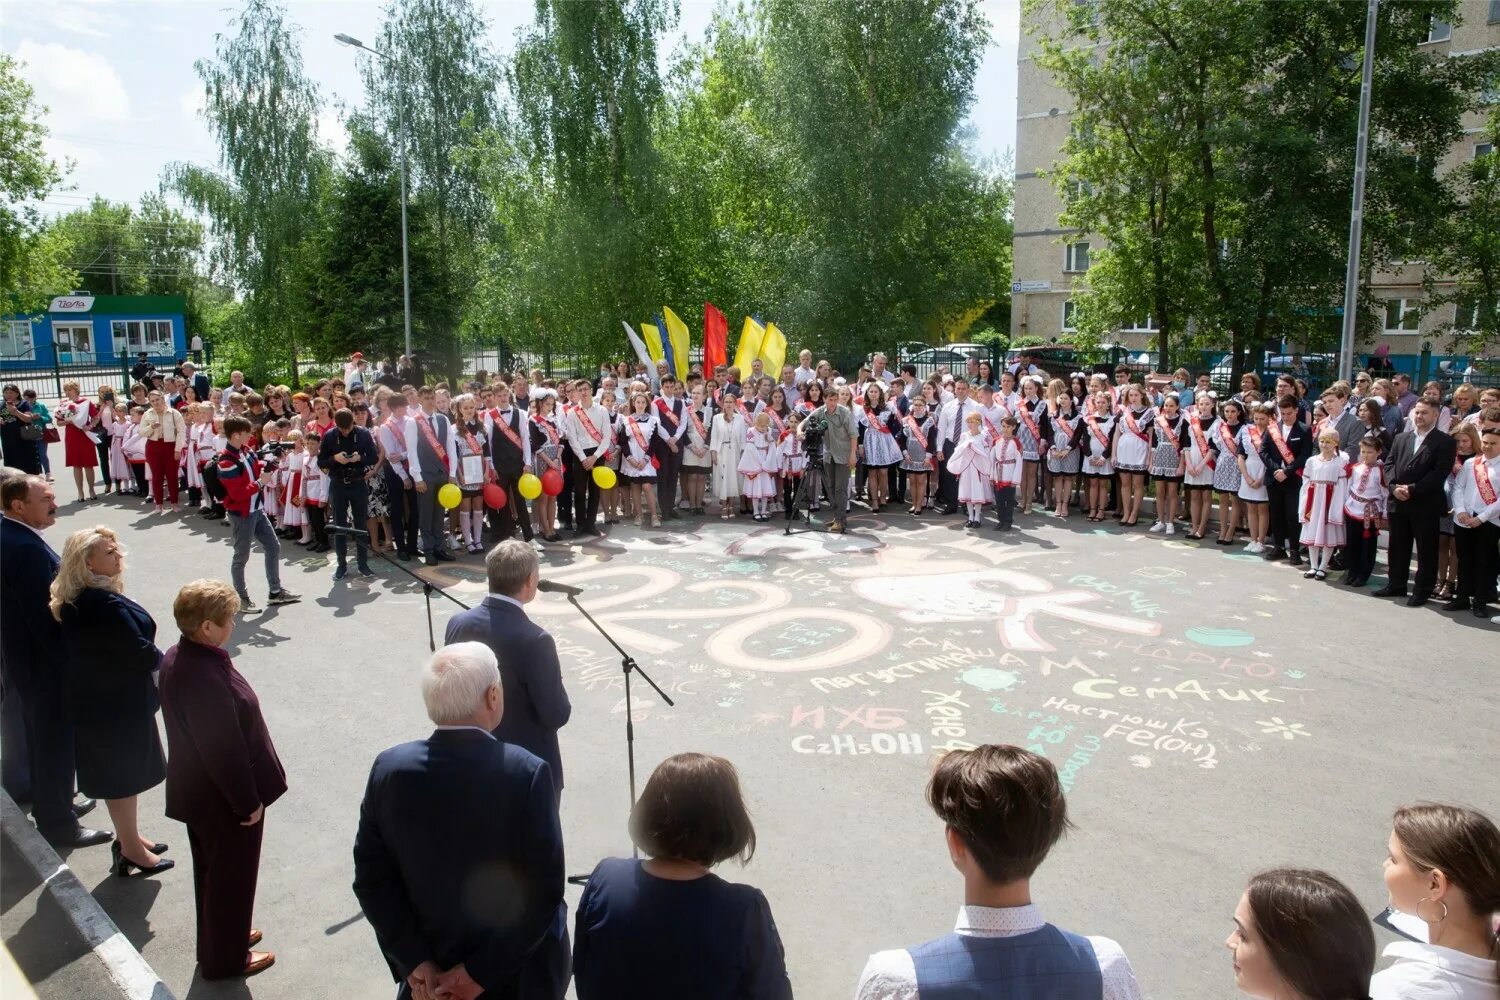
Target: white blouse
{"type": "Point", "coordinates": [1427, 972]}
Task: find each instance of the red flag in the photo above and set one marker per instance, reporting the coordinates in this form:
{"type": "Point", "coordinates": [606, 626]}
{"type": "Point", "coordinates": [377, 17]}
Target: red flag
{"type": "Point", "coordinates": [715, 339]}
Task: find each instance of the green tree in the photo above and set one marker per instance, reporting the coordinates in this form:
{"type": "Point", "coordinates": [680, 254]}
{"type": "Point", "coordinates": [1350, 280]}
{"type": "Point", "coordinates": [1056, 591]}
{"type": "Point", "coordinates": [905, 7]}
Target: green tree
{"type": "Point", "coordinates": [32, 267]}
{"type": "Point", "coordinates": [1467, 251]}
{"type": "Point", "coordinates": [260, 108]}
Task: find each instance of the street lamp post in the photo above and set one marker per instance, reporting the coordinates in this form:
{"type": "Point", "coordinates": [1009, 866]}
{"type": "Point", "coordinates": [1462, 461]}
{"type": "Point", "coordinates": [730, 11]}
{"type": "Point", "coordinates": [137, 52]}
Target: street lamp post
{"type": "Point", "coordinates": [1357, 208]}
{"type": "Point", "coordinates": [401, 128]}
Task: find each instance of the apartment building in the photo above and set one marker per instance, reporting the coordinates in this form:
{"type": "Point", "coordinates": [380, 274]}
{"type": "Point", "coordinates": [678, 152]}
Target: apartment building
{"type": "Point", "coordinates": [1051, 260]}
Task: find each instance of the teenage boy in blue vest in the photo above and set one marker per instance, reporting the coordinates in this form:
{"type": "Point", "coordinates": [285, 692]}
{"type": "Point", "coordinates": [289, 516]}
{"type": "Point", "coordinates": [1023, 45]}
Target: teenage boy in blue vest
{"type": "Point", "coordinates": [1004, 809]}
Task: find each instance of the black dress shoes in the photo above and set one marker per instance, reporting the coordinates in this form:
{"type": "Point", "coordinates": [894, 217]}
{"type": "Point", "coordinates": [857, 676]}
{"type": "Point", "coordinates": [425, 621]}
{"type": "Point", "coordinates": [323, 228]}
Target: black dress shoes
{"type": "Point", "coordinates": [82, 807]}
{"type": "Point", "coordinates": [1457, 604]}
{"type": "Point", "coordinates": [1389, 591]}
{"type": "Point", "coordinates": [1417, 600]}
{"type": "Point", "coordinates": [1483, 611]}
{"type": "Point", "coordinates": [84, 837]}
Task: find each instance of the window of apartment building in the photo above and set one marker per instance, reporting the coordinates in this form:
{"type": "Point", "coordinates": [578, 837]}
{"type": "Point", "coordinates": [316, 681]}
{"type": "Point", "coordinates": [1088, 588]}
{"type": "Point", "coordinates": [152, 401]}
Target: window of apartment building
{"type": "Point", "coordinates": [1402, 315]}
{"type": "Point", "coordinates": [1086, 12]}
{"type": "Point", "coordinates": [1483, 149]}
{"type": "Point", "coordinates": [1147, 325]}
{"type": "Point", "coordinates": [153, 336]}
{"type": "Point", "coordinates": [1070, 316]}
{"type": "Point", "coordinates": [1494, 11]}
{"type": "Point", "coordinates": [1437, 31]}
{"type": "Point", "coordinates": [15, 338]}
{"type": "Point", "coordinates": [1076, 257]}
{"type": "Point", "coordinates": [1079, 188]}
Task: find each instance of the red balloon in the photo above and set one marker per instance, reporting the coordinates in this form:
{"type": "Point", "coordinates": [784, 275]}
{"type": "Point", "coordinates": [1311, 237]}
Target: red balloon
{"type": "Point", "coordinates": [552, 482]}
{"type": "Point", "coordinates": [494, 496]}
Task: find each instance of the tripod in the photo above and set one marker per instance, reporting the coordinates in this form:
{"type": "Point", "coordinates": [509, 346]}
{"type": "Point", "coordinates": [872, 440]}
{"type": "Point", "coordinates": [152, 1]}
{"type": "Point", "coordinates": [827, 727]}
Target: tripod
{"type": "Point", "coordinates": [627, 666]}
{"type": "Point", "coordinates": [794, 509]}
{"type": "Point", "coordinates": [428, 589]}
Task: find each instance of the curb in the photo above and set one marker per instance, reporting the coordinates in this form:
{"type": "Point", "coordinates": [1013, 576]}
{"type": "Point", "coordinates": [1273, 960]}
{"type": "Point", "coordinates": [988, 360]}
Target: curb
{"type": "Point", "coordinates": [126, 968]}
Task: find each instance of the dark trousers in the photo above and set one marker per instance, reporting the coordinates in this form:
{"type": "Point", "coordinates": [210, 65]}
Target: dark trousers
{"type": "Point", "coordinates": [1410, 524]}
{"type": "Point", "coordinates": [585, 494]}
{"type": "Point", "coordinates": [947, 482]}
{"type": "Point", "coordinates": [346, 499]}
{"type": "Point", "coordinates": [1478, 561]}
{"type": "Point", "coordinates": [15, 758]}
{"type": "Point", "coordinates": [898, 484]}
{"type": "Point", "coordinates": [49, 743]}
{"type": "Point", "coordinates": [1359, 551]}
{"type": "Point", "coordinates": [403, 511]}
{"type": "Point", "coordinates": [666, 479]}
{"type": "Point", "coordinates": [317, 520]}
{"type": "Point", "coordinates": [1285, 528]}
{"type": "Point", "coordinates": [102, 447]}
{"type": "Point", "coordinates": [431, 516]}
{"type": "Point", "coordinates": [836, 479]}
{"type": "Point", "coordinates": [138, 469]}
{"type": "Point", "coordinates": [565, 498]}
{"type": "Point", "coordinates": [161, 456]}
{"type": "Point", "coordinates": [1005, 505]}
{"type": "Point", "coordinates": [789, 487]}
{"type": "Point", "coordinates": [226, 863]}
{"type": "Point", "coordinates": [513, 515]}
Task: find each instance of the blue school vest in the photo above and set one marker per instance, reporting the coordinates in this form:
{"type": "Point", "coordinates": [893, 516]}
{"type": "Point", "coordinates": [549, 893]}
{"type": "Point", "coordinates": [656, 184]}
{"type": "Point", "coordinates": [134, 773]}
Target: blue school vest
{"type": "Point", "coordinates": [1045, 964]}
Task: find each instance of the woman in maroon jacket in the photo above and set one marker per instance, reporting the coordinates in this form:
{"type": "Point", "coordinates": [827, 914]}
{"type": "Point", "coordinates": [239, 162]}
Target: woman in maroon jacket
{"type": "Point", "coordinates": [222, 772]}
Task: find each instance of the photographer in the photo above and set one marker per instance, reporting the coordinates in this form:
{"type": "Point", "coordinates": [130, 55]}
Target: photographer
{"type": "Point", "coordinates": [346, 454]}
{"type": "Point", "coordinates": [834, 425]}
{"type": "Point", "coordinates": [242, 478]}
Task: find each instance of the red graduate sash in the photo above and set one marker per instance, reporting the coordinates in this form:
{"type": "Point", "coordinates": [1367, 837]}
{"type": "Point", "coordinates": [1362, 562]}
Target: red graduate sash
{"type": "Point", "coordinates": [553, 434]}
{"type": "Point", "coordinates": [1200, 440]}
{"type": "Point", "coordinates": [921, 436]}
{"type": "Point", "coordinates": [780, 424]}
{"type": "Point", "coordinates": [1279, 440]}
{"type": "Point", "coordinates": [1096, 430]}
{"type": "Point", "coordinates": [634, 426]}
{"type": "Point", "coordinates": [424, 424]}
{"type": "Point", "coordinates": [474, 448]}
{"type": "Point", "coordinates": [505, 429]}
{"type": "Point", "coordinates": [666, 411]}
{"type": "Point", "coordinates": [698, 423]}
{"type": "Point", "coordinates": [1482, 480]}
{"type": "Point", "coordinates": [588, 424]}
{"type": "Point", "coordinates": [1227, 436]}
{"type": "Point", "coordinates": [871, 420]}
{"type": "Point", "coordinates": [1029, 421]}
{"type": "Point", "coordinates": [1133, 425]}
{"type": "Point", "coordinates": [1167, 432]}
{"type": "Point", "coordinates": [1062, 422]}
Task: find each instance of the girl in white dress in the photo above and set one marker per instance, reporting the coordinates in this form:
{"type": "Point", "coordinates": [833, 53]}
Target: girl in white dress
{"type": "Point", "coordinates": [1325, 487]}
{"type": "Point", "coordinates": [200, 438]}
{"type": "Point", "coordinates": [119, 465]}
{"type": "Point", "coordinates": [314, 493]}
{"type": "Point", "coordinates": [975, 469]}
{"type": "Point", "coordinates": [635, 465]}
{"type": "Point", "coordinates": [1253, 475]}
{"type": "Point", "coordinates": [1132, 451]}
{"type": "Point", "coordinates": [135, 450]}
{"type": "Point", "coordinates": [878, 448]}
{"type": "Point", "coordinates": [546, 456]}
{"type": "Point", "coordinates": [294, 514]}
{"type": "Point", "coordinates": [697, 457]}
{"type": "Point", "coordinates": [270, 434]}
{"type": "Point", "coordinates": [759, 465]}
{"type": "Point", "coordinates": [792, 463]}
{"type": "Point", "coordinates": [1198, 471]}
{"type": "Point", "coordinates": [727, 436]}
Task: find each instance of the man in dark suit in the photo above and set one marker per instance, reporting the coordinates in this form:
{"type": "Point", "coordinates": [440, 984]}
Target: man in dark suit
{"type": "Point", "coordinates": [458, 860]}
{"type": "Point", "coordinates": [32, 652]}
{"type": "Point", "coordinates": [537, 703]}
{"type": "Point", "coordinates": [197, 380]}
{"type": "Point", "coordinates": [1420, 462]}
{"type": "Point", "coordinates": [1285, 450]}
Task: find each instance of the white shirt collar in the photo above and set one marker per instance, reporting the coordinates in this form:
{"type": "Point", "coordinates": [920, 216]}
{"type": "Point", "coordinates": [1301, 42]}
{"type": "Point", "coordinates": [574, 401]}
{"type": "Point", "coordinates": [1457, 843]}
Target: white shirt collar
{"type": "Point", "coordinates": [455, 729]}
{"type": "Point", "coordinates": [506, 598]}
{"type": "Point", "coordinates": [993, 921]}
{"type": "Point", "coordinates": [17, 520]}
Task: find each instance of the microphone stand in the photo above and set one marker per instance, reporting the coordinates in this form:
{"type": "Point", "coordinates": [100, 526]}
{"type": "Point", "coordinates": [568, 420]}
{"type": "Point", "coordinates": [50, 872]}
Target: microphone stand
{"type": "Point", "coordinates": [627, 666]}
{"type": "Point", "coordinates": [428, 588]}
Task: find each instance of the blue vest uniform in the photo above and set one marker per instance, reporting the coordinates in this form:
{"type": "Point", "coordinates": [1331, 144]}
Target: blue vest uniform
{"type": "Point", "coordinates": [1044, 964]}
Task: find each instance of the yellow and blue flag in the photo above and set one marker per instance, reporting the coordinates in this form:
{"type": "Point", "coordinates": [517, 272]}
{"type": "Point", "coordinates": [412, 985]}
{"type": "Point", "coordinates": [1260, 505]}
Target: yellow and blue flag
{"type": "Point", "coordinates": [680, 339]}
{"type": "Point", "coordinates": [651, 334]}
{"type": "Point", "coordinates": [748, 349]}
{"type": "Point", "coordinates": [773, 350]}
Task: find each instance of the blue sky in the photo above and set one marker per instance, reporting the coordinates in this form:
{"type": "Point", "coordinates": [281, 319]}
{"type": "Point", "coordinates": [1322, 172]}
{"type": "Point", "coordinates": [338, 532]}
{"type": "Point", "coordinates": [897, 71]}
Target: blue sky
{"type": "Point", "coordinates": [117, 77]}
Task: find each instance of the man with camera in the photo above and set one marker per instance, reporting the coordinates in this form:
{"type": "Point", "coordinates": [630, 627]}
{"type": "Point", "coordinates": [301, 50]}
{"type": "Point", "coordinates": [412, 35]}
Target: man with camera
{"type": "Point", "coordinates": [346, 454]}
{"type": "Point", "coordinates": [834, 426]}
{"type": "Point", "coordinates": [242, 478]}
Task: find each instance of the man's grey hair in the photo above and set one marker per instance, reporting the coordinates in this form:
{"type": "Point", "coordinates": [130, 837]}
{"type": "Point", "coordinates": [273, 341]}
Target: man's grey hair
{"type": "Point", "coordinates": [509, 565]}
{"type": "Point", "coordinates": [455, 680]}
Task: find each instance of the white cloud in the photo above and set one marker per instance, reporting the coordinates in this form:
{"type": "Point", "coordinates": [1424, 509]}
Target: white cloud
{"type": "Point", "coordinates": [74, 84]}
{"type": "Point", "coordinates": [191, 102]}
{"type": "Point", "coordinates": [90, 19]}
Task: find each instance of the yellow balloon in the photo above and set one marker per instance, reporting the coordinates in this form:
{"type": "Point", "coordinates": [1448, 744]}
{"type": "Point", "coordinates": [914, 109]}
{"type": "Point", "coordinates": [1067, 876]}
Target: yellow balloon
{"type": "Point", "coordinates": [529, 486]}
{"type": "Point", "coordinates": [604, 477]}
{"type": "Point", "coordinates": [450, 496]}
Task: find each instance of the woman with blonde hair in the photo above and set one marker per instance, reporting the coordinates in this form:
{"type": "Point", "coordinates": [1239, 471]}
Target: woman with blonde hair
{"type": "Point", "coordinates": [110, 661]}
{"type": "Point", "coordinates": [1443, 866]}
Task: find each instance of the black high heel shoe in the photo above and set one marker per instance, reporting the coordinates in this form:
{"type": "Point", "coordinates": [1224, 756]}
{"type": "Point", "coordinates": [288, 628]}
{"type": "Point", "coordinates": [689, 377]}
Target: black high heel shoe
{"type": "Point", "coordinates": [122, 866]}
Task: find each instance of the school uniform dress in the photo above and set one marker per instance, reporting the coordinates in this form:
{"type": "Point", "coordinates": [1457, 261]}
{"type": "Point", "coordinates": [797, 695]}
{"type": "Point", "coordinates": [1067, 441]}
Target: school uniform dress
{"type": "Point", "coordinates": [1249, 441]}
{"type": "Point", "coordinates": [1200, 453]}
{"type": "Point", "coordinates": [637, 431]}
{"type": "Point", "coordinates": [758, 465]}
{"type": "Point", "coordinates": [697, 436]}
{"type": "Point", "coordinates": [1094, 441]}
{"type": "Point", "coordinates": [111, 659]}
{"type": "Point", "coordinates": [1133, 449]}
{"type": "Point", "coordinates": [1058, 432]}
{"type": "Point", "coordinates": [728, 439]}
{"type": "Point", "coordinates": [1029, 430]}
{"type": "Point", "coordinates": [917, 451]}
{"type": "Point", "coordinates": [1325, 487]}
{"type": "Point", "coordinates": [79, 450]}
{"type": "Point", "coordinates": [1225, 442]}
{"type": "Point", "coordinates": [975, 470]}
{"type": "Point", "coordinates": [473, 457]}
{"type": "Point", "coordinates": [1364, 506]}
{"type": "Point", "coordinates": [1166, 449]}
{"type": "Point", "coordinates": [1477, 492]}
{"type": "Point", "coordinates": [878, 435]}
{"type": "Point", "coordinates": [1422, 971]}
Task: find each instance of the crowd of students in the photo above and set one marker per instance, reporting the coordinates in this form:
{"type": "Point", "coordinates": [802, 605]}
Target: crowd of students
{"type": "Point", "coordinates": [1289, 473]}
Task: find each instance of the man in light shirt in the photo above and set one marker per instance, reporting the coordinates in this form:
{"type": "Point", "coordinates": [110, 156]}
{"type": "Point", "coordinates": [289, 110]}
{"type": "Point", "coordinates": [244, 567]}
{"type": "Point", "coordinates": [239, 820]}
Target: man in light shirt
{"type": "Point", "coordinates": [805, 372]}
{"type": "Point", "coordinates": [951, 417]}
{"type": "Point", "coordinates": [1003, 809]}
{"type": "Point", "coordinates": [789, 386]}
{"type": "Point", "coordinates": [878, 369]}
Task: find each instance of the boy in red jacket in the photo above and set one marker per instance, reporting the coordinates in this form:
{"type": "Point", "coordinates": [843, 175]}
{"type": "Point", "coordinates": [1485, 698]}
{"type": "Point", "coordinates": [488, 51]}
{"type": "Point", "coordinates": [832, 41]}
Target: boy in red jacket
{"type": "Point", "coordinates": [240, 475]}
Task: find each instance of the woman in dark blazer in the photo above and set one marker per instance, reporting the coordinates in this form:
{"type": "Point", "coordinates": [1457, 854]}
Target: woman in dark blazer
{"type": "Point", "coordinates": [668, 927]}
{"type": "Point", "coordinates": [222, 772]}
{"type": "Point", "coordinates": [109, 663]}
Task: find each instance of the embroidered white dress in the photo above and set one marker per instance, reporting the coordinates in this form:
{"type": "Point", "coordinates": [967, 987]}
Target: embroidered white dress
{"type": "Point", "coordinates": [728, 437]}
{"type": "Point", "coordinates": [1320, 503]}
{"type": "Point", "coordinates": [759, 465]}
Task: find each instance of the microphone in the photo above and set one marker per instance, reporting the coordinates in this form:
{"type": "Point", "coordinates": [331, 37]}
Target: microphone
{"type": "Point", "coordinates": [337, 529]}
{"type": "Point", "coordinates": [548, 587]}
